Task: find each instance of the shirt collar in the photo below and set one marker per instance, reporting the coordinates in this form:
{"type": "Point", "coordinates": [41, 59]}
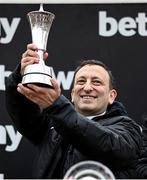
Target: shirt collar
{"type": "Point", "coordinates": [91, 117]}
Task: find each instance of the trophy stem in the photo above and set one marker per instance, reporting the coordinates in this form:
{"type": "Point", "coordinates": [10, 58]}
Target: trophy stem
{"type": "Point", "coordinates": [40, 53]}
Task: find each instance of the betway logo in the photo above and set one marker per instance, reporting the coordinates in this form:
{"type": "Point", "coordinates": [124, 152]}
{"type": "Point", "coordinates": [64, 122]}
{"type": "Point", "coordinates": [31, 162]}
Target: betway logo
{"type": "Point", "coordinates": [126, 26]}
{"type": "Point", "coordinates": [8, 29]}
{"type": "Point", "coordinates": [7, 133]}
{"type": "Point", "coordinates": [64, 80]}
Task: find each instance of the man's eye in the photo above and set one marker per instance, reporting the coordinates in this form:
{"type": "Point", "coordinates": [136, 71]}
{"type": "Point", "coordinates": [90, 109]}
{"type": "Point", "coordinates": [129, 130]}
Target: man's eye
{"type": "Point", "coordinates": [97, 83]}
{"type": "Point", "coordinates": [80, 82]}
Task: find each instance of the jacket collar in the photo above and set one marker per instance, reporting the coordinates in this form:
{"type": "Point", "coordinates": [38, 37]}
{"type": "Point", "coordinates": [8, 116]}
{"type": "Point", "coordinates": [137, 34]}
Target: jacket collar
{"type": "Point", "coordinates": [115, 109]}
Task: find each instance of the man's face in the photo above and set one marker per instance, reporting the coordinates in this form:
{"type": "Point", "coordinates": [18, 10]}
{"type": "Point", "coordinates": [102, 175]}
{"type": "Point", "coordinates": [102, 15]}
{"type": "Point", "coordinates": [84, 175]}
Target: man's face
{"type": "Point", "coordinates": [91, 93]}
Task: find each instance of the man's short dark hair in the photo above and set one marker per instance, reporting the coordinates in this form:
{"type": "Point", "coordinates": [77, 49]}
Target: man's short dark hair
{"type": "Point", "coordinates": [99, 63]}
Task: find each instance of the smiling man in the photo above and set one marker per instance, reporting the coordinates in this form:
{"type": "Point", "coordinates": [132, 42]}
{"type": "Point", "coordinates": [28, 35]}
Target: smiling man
{"type": "Point", "coordinates": [92, 91]}
{"type": "Point", "coordinates": [93, 127]}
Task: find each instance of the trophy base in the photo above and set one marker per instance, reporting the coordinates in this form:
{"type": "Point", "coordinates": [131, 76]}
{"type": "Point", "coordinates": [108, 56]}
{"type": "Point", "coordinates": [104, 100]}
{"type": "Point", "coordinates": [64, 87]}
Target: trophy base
{"type": "Point", "coordinates": [37, 74]}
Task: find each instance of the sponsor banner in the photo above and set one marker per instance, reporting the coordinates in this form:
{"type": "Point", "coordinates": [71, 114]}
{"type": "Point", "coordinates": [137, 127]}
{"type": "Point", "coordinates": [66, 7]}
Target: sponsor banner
{"type": "Point", "coordinates": [8, 132]}
{"type": "Point", "coordinates": [125, 26]}
{"type": "Point", "coordinates": [64, 79]}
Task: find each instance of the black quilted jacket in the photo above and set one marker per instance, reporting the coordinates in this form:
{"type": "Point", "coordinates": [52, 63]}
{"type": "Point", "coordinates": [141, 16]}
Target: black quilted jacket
{"type": "Point", "coordinates": [142, 162]}
{"type": "Point", "coordinates": [63, 137]}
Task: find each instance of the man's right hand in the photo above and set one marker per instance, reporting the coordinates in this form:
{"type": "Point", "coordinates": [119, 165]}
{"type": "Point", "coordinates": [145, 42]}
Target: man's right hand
{"type": "Point", "coordinates": [30, 56]}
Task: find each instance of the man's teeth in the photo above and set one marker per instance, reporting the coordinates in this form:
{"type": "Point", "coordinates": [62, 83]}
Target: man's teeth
{"type": "Point", "coordinates": [87, 97]}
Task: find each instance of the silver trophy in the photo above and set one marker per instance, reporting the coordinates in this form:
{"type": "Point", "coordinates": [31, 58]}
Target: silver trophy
{"type": "Point", "coordinates": [40, 22]}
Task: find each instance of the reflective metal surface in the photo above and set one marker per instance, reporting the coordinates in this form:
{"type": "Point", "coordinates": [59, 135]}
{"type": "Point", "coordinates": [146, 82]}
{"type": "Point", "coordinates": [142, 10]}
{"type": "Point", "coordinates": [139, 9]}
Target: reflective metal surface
{"type": "Point", "coordinates": [40, 23]}
{"type": "Point", "coordinates": [89, 170]}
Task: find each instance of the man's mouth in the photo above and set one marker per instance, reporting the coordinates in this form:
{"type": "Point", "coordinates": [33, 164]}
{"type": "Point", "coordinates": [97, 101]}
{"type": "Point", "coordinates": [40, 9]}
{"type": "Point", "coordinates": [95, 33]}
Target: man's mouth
{"type": "Point", "coordinates": [87, 97]}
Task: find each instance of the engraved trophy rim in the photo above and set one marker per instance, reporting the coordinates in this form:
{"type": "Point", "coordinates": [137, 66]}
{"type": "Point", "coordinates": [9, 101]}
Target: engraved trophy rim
{"type": "Point", "coordinates": [43, 12]}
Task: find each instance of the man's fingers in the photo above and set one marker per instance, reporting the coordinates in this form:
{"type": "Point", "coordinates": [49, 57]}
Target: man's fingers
{"type": "Point", "coordinates": [30, 53]}
{"type": "Point", "coordinates": [32, 46]}
{"type": "Point", "coordinates": [34, 87]}
{"type": "Point", "coordinates": [55, 85]}
{"type": "Point", "coordinates": [45, 55]}
{"type": "Point", "coordinates": [25, 91]}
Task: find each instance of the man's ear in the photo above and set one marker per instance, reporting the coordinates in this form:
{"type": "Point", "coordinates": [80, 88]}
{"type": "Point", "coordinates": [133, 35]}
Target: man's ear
{"type": "Point", "coordinates": [72, 91]}
{"type": "Point", "coordinates": [112, 96]}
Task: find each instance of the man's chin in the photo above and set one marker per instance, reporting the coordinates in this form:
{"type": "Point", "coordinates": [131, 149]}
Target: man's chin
{"type": "Point", "coordinates": [86, 109]}
{"type": "Point", "coordinates": [87, 101]}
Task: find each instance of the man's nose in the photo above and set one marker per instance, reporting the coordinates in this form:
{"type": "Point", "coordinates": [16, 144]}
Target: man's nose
{"type": "Point", "coordinates": [88, 86]}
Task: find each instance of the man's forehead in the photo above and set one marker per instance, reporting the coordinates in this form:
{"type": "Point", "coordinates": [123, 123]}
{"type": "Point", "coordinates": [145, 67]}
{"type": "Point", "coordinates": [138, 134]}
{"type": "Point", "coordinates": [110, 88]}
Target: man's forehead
{"type": "Point", "coordinates": [90, 68]}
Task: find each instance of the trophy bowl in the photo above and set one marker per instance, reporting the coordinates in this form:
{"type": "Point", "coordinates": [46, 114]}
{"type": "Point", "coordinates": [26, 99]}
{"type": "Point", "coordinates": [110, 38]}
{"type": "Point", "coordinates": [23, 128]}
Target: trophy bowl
{"type": "Point", "coordinates": [40, 23]}
{"type": "Point", "coordinates": [89, 170]}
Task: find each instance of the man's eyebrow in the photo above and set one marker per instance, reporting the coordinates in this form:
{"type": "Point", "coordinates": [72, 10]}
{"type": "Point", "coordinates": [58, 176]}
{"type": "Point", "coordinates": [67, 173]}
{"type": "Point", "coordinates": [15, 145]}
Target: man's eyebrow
{"type": "Point", "coordinates": [94, 77]}
{"type": "Point", "coordinates": [81, 77]}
